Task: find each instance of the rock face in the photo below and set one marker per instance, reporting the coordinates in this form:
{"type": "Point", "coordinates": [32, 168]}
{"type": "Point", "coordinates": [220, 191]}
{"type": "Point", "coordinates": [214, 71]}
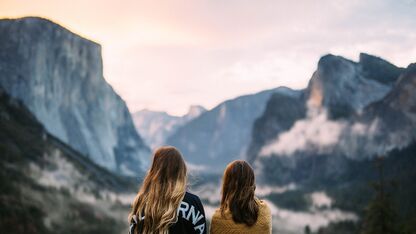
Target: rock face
{"type": "Point", "coordinates": [344, 87]}
{"type": "Point", "coordinates": [58, 75]}
{"type": "Point", "coordinates": [396, 113]}
{"type": "Point", "coordinates": [350, 111]}
{"type": "Point", "coordinates": [222, 134]}
{"type": "Point", "coordinates": [282, 110]}
{"type": "Point", "coordinates": [401, 99]}
{"type": "Point", "coordinates": [156, 126]}
{"type": "Point", "coordinates": [378, 69]}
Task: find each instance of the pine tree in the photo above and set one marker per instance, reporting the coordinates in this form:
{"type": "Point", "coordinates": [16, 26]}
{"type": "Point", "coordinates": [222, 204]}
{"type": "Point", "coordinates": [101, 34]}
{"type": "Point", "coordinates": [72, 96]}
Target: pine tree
{"type": "Point", "coordinates": [307, 230]}
{"type": "Point", "coordinates": [380, 217]}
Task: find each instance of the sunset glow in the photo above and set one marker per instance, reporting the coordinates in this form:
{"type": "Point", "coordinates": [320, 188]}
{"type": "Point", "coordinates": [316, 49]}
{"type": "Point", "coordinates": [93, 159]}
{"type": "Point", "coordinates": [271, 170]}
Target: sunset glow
{"type": "Point", "coordinates": [167, 55]}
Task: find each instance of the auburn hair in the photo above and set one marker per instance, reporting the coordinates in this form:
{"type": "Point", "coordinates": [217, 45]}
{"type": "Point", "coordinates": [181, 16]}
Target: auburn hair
{"type": "Point", "coordinates": [161, 192]}
{"type": "Point", "coordinates": [238, 193]}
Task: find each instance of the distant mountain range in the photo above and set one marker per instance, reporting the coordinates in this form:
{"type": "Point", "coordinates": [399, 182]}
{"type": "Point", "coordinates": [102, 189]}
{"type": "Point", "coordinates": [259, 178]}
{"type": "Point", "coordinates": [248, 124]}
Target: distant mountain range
{"type": "Point", "coordinates": [347, 109]}
{"type": "Point", "coordinates": [156, 126]}
{"type": "Point", "coordinates": [208, 139]}
{"type": "Point", "coordinates": [221, 135]}
{"type": "Point", "coordinates": [325, 117]}
{"type": "Point", "coordinates": [58, 75]}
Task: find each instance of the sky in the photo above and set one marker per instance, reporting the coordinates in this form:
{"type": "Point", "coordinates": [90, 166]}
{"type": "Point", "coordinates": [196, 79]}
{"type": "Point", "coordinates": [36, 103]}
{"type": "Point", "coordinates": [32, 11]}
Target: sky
{"type": "Point", "coordinates": [166, 55]}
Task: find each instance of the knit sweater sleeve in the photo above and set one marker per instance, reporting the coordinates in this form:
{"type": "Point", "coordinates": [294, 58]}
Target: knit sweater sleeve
{"type": "Point", "coordinates": [268, 217]}
{"type": "Point", "coordinates": [216, 224]}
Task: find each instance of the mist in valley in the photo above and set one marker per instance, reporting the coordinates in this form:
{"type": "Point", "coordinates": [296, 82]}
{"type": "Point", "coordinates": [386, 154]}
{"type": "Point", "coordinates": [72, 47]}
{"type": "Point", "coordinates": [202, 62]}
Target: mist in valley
{"type": "Point", "coordinates": [319, 98]}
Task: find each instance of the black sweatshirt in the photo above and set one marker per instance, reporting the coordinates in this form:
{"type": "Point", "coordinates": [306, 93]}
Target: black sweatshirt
{"type": "Point", "coordinates": [191, 217]}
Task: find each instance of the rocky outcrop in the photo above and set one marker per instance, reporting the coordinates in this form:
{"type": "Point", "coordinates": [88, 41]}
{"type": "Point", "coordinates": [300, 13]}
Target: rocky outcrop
{"type": "Point", "coordinates": [58, 75]}
{"type": "Point", "coordinates": [344, 87]}
{"type": "Point", "coordinates": [396, 113]}
{"type": "Point", "coordinates": [378, 69]}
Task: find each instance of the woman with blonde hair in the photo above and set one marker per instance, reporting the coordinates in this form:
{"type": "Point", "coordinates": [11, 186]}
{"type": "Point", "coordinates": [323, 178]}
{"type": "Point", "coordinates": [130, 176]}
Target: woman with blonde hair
{"type": "Point", "coordinates": [240, 211]}
{"type": "Point", "coordinates": [162, 204]}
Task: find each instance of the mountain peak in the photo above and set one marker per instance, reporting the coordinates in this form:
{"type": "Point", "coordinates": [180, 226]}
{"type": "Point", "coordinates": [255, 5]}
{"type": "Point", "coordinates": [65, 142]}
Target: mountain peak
{"type": "Point", "coordinates": [364, 57]}
{"type": "Point", "coordinates": [156, 126]}
{"type": "Point", "coordinates": [345, 87]}
{"type": "Point", "coordinates": [31, 19]}
{"type": "Point", "coordinates": [329, 60]}
{"type": "Point", "coordinates": [37, 26]}
{"type": "Point", "coordinates": [411, 67]}
{"type": "Point", "coordinates": [378, 69]}
{"type": "Point", "coordinates": [195, 111]}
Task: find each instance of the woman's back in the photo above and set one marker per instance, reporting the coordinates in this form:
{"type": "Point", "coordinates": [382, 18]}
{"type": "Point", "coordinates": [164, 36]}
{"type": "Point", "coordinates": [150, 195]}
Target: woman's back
{"type": "Point", "coordinates": [162, 204]}
{"type": "Point", "coordinates": [191, 217]}
{"type": "Point", "coordinates": [240, 211]}
{"type": "Point", "coordinates": [225, 223]}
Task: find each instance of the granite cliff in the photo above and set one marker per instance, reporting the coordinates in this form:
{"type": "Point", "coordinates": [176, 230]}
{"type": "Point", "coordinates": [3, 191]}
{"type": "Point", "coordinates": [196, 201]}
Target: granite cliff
{"type": "Point", "coordinates": [58, 75]}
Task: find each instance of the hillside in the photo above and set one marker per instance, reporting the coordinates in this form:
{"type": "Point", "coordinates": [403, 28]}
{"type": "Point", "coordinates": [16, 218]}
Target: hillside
{"type": "Point", "coordinates": [47, 187]}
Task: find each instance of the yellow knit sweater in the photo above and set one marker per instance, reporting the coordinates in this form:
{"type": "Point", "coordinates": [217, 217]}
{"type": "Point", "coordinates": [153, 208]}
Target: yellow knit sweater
{"type": "Point", "coordinates": [226, 225]}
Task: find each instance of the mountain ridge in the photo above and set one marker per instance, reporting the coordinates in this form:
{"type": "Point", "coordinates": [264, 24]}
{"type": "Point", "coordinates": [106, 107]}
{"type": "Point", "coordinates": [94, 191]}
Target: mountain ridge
{"type": "Point", "coordinates": [343, 87]}
{"type": "Point", "coordinates": [157, 126]}
{"type": "Point", "coordinates": [220, 135]}
{"type": "Point", "coordinates": [359, 133]}
{"type": "Point", "coordinates": [47, 187]}
{"type": "Point", "coordinates": [59, 77]}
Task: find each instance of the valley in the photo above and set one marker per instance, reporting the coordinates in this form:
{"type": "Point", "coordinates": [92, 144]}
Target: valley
{"type": "Point", "coordinates": [73, 156]}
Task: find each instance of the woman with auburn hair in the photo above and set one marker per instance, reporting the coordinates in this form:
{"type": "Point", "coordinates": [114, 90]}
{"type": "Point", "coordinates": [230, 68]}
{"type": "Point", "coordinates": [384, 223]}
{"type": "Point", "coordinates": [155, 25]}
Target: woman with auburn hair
{"type": "Point", "coordinates": [162, 204]}
{"type": "Point", "coordinates": [240, 211]}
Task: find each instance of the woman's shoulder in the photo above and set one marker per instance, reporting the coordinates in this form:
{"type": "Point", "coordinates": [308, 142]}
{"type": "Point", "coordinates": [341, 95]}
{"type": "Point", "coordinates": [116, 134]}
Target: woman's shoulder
{"type": "Point", "coordinates": [262, 203]}
{"type": "Point", "coordinates": [191, 198]}
{"type": "Point", "coordinates": [191, 195]}
{"type": "Point", "coordinates": [263, 208]}
{"type": "Point", "coordinates": [217, 214]}
{"type": "Point", "coordinates": [221, 218]}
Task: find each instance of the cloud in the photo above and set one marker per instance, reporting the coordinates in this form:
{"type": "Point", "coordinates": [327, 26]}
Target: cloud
{"type": "Point", "coordinates": [320, 199]}
{"type": "Point", "coordinates": [288, 221]}
{"type": "Point", "coordinates": [159, 52]}
{"type": "Point", "coordinates": [318, 214]}
{"type": "Point", "coordinates": [316, 133]}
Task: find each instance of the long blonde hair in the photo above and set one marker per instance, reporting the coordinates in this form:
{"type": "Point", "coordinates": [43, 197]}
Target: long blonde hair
{"type": "Point", "coordinates": [162, 191]}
